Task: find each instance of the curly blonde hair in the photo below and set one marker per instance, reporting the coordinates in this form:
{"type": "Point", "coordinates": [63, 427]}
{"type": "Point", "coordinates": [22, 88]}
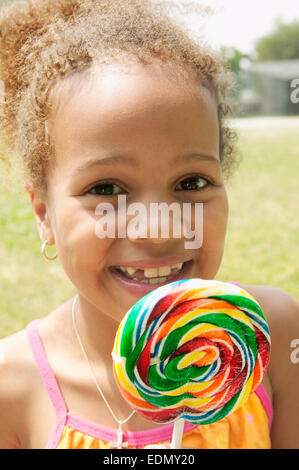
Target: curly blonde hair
{"type": "Point", "coordinates": [42, 42]}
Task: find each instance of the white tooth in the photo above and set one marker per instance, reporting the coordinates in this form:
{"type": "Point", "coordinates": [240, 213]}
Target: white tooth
{"type": "Point", "coordinates": [162, 280]}
{"type": "Point", "coordinates": [151, 272]}
{"type": "Point", "coordinates": [154, 280]}
{"type": "Point", "coordinates": [122, 268]}
{"type": "Point", "coordinates": [131, 271]}
{"type": "Point", "coordinates": [177, 266]}
{"type": "Point", "coordinates": [164, 270]}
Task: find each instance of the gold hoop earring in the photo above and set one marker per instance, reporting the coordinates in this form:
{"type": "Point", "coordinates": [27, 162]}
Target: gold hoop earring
{"type": "Point", "coordinates": [43, 251]}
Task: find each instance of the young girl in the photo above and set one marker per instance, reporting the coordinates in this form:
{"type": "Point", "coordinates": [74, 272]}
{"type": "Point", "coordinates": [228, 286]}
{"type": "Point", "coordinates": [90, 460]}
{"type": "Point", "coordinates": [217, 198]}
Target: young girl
{"type": "Point", "coordinates": [106, 98]}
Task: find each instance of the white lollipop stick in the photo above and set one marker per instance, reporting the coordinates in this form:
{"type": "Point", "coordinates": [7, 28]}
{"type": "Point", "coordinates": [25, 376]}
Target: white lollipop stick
{"type": "Point", "coordinates": [177, 434]}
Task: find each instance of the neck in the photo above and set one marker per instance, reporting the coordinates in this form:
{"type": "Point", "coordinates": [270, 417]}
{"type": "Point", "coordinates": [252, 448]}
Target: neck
{"type": "Point", "coordinates": [101, 348]}
{"type": "Point", "coordinates": [96, 329]}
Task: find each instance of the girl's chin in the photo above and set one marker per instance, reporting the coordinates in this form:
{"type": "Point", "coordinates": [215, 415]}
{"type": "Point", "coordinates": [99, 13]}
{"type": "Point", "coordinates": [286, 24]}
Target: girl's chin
{"type": "Point", "coordinates": [138, 289]}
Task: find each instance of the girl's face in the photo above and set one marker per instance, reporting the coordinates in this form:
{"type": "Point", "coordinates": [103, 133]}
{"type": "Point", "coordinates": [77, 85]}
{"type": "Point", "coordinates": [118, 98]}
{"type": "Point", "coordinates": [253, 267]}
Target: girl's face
{"type": "Point", "coordinates": [141, 132]}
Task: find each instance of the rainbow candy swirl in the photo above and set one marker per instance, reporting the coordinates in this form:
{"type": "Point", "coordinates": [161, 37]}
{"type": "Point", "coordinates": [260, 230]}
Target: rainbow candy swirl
{"type": "Point", "coordinates": [192, 349]}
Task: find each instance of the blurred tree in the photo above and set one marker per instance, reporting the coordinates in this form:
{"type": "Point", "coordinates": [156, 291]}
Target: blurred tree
{"type": "Point", "coordinates": [234, 58]}
{"type": "Point", "coordinates": [281, 44]}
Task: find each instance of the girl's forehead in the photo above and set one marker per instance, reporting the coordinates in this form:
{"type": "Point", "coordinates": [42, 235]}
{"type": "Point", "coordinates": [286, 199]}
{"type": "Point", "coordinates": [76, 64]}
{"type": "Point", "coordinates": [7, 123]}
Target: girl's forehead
{"type": "Point", "coordinates": [111, 94]}
{"type": "Point", "coordinates": [133, 107]}
{"type": "Point", "coordinates": [129, 77]}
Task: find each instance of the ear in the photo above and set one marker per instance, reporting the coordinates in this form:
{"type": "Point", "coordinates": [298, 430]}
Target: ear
{"type": "Point", "coordinates": [40, 209]}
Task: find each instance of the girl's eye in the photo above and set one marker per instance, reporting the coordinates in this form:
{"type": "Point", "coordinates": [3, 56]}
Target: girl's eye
{"type": "Point", "coordinates": [105, 189]}
{"type": "Point", "coordinates": [193, 183]}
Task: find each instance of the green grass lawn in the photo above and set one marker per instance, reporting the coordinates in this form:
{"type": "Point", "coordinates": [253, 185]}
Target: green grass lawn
{"type": "Point", "coordinates": [262, 244]}
{"type": "Point", "coordinates": [263, 234]}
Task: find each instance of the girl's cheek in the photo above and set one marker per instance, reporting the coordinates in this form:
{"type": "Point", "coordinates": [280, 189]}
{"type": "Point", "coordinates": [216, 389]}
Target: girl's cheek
{"type": "Point", "coordinates": [209, 255]}
{"type": "Point", "coordinates": [215, 216]}
{"type": "Point", "coordinates": [77, 239]}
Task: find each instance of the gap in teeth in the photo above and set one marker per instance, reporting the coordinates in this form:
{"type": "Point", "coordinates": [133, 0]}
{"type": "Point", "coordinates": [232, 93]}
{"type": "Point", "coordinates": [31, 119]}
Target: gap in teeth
{"type": "Point", "coordinates": [153, 275]}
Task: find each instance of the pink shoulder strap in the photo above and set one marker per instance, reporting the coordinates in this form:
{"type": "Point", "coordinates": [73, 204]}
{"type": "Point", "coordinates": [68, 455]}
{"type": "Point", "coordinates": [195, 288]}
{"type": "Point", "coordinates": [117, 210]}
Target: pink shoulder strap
{"type": "Point", "coordinates": [45, 370]}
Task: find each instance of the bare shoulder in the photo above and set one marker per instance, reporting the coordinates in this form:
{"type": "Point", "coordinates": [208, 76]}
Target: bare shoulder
{"type": "Point", "coordinates": [282, 312]}
{"type": "Point", "coordinates": [275, 301]}
{"type": "Point", "coordinates": [15, 388]}
{"type": "Point", "coordinates": [23, 397]}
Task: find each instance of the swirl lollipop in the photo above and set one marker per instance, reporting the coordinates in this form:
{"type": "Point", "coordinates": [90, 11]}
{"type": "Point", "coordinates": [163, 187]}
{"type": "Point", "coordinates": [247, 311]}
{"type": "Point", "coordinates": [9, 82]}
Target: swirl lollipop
{"type": "Point", "coordinates": [192, 349]}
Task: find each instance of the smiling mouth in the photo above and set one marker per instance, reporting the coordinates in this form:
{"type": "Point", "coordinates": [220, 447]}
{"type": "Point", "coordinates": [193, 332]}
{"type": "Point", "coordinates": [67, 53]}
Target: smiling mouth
{"type": "Point", "coordinates": [152, 276]}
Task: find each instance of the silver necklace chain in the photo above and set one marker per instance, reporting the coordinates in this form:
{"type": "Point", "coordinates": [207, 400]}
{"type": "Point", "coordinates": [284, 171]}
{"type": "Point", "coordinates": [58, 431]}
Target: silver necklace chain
{"type": "Point", "coordinates": [119, 444]}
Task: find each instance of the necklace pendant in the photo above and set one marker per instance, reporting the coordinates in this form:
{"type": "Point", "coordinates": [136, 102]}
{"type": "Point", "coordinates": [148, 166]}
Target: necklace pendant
{"type": "Point", "coordinates": [120, 444]}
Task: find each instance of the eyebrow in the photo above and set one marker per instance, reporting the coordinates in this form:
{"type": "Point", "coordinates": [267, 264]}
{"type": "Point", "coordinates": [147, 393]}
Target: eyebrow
{"type": "Point", "coordinates": [197, 156]}
{"type": "Point", "coordinates": [106, 161]}
{"type": "Point", "coordinates": [134, 163]}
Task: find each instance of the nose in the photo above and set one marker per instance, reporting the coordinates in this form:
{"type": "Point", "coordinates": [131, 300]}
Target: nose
{"type": "Point", "coordinates": [157, 222]}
